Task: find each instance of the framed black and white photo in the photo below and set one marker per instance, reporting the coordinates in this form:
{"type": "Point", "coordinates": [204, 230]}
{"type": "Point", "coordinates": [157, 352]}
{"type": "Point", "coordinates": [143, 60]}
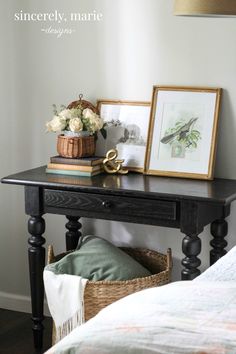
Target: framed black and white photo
{"type": "Point", "coordinates": [182, 132]}
{"type": "Point", "coordinates": [127, 129]}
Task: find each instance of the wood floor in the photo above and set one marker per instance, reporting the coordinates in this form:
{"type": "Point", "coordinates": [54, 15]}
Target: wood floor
{"type": "Point", "coordinates": [16, 333]}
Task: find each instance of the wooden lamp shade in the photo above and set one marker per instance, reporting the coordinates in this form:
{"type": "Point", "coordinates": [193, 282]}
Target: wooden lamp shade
{"type": "Point", "coordinates": [205, 8]}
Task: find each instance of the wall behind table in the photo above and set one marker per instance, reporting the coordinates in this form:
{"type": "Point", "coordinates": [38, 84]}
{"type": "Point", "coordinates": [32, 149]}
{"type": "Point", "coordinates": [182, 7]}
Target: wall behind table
{"type": "Point", "coordinates": [138, 43]}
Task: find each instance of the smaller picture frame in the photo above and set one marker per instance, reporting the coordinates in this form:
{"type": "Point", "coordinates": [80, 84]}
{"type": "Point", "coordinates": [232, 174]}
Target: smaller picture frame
{"type": "Point", "coordinates": [182, 132]}
{"type": "Point", "coordinates": [127, 130]}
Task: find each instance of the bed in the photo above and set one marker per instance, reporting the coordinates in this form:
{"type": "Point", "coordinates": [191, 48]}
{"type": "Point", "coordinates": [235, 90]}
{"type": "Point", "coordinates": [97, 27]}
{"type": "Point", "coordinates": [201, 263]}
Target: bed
{"type": "Point", "coordinates": [182, 317]}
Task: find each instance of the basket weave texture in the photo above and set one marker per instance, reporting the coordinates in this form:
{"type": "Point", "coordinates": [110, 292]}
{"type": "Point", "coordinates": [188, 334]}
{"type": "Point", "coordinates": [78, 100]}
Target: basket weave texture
{"type": "Point", "coordinates": [74, 147]}
{"type": "Point", "coordinates": [99, 294]}
{"type": "Point", "coordinates": [85, 104]}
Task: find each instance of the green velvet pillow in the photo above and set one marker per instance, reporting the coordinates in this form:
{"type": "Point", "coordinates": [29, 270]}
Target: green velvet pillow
{"type": "Point", "coordinates": [97, 259]}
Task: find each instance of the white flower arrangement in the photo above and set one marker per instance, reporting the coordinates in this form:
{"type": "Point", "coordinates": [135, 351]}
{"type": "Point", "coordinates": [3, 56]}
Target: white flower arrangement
{"type": "Point", "coordinates": [76, 120]}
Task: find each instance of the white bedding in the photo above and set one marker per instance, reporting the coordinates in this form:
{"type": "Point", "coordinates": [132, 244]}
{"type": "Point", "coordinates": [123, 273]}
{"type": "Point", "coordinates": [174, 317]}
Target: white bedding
{"type": "Point", "coordinates": [179, 318]}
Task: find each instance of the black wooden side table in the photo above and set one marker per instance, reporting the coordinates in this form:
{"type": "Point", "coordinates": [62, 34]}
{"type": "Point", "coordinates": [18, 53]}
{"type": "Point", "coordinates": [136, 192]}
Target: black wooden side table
{"type": "Point", "coordinates": [188, 205]}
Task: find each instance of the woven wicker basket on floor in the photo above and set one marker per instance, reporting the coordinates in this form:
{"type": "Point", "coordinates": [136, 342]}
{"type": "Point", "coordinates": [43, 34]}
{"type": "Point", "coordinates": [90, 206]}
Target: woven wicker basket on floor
{"type": "Point", "coordinates": [99, 294]}
{"type": "Point", "coordinates": [74, 147]}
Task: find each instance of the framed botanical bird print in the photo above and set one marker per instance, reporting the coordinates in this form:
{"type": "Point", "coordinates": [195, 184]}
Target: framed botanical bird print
{"type": "Point", "coordinates": [182, 132]}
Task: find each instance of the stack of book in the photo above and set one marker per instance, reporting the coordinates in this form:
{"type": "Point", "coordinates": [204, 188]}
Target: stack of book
{"type": "Point", "coordinates": [84, 166]}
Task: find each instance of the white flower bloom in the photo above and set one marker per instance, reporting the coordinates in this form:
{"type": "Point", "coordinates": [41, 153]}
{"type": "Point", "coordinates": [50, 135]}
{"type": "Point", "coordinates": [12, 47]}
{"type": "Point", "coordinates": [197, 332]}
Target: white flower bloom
{"type": "Point", "coordinates": [95, 123]}
{"type": "Point", "coordinates": [69, 113]}
{"type": "Point", "coordinates": [100, 122]}
{"type": "Point", "coordinates": [57, 124]}
{"type": "Point", "coordinates": [75, 124]}
{"type": "Point", "coordinates": [48, 126]}
{"type": "Point", "coordinates": [66, 114]}
{"type": "Point", "coordinates": [88, 113]}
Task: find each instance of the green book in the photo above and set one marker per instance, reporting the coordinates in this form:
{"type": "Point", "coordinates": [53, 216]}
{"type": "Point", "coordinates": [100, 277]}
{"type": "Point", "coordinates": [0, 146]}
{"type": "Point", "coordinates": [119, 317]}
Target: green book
{"type": "Point", "coordinates": [72, 172]}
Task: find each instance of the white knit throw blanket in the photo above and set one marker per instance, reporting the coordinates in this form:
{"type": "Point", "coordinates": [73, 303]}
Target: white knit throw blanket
{"type": "Point", "coordinates": [65, 297]}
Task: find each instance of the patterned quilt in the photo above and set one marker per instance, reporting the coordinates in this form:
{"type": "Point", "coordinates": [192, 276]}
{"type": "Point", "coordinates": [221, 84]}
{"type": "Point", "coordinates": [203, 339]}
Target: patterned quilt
{"type": "Point", "coordinates": [182, 317]}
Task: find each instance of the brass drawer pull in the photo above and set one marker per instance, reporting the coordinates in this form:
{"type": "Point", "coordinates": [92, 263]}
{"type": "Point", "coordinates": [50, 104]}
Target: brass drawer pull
{"type": "Point", "coordinates": [106, 204]}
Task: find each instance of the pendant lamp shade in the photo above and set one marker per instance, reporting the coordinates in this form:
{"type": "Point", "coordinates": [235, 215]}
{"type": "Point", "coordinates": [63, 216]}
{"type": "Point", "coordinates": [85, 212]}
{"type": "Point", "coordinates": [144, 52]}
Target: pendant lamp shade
{"type": "Point", "coordinates": [205, 8]}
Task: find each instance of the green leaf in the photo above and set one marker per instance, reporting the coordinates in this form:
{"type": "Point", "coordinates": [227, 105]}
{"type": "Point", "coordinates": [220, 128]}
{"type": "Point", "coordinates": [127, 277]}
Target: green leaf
{"type": "Point", "coordinates": [104, 133]}
{"type": "Point", "coordinates": [194, 131]}
{"type": "Point", "coordinates": [62, 107]}
{"type": "Point", "coordinates": [54, 109]}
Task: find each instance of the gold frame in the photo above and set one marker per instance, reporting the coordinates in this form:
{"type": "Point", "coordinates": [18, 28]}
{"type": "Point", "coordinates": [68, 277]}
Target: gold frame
{"type": "Point", "coordinates": [205, 8]}
{"type": "Point", "coordinates": [130, 103]}
{"type": "Point", "coordinates": [211, 162]}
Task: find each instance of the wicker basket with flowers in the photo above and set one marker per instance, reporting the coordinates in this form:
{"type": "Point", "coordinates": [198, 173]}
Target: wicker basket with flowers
{"type": "Point", "coordinates": [78, 124]}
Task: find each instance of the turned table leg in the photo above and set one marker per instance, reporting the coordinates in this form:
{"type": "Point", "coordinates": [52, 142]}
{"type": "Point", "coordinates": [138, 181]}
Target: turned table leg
{"type": "Point", "coordinates": [191, 247]}
{"type": "Point", "coordinates": [73, 234]}
{"type": "Point", "coordinates": [36, 227]}
{"type": "Point", "coordinates": [219, 230]}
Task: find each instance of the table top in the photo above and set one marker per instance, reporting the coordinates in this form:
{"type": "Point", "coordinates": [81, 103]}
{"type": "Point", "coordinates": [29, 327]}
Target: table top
{"type": "Point", "coordinates": [134, 184]}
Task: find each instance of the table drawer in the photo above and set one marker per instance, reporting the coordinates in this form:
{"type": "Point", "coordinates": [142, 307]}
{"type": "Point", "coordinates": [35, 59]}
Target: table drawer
{"type": "Point", "coordinates": [107, 204]}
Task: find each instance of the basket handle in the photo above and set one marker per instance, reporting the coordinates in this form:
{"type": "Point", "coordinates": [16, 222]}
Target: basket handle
{"type": "Point", "coordinates": [169, 259]}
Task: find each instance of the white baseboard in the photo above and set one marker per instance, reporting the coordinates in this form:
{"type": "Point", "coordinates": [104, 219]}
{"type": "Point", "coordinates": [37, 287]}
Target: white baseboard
{"type": "Point", "coordinates": [19, 303]}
